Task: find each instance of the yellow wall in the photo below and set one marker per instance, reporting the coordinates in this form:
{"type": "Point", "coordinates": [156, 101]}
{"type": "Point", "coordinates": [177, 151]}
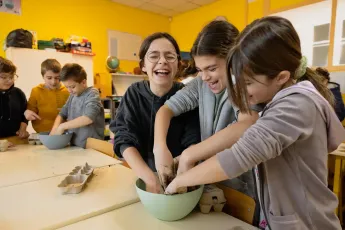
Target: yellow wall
{"type": "Point", "coordinates": [185, 27]}
{"type": "Point", "coordinates": [89, 18]}
{"type": "Point", "coordinates": [255, 10]}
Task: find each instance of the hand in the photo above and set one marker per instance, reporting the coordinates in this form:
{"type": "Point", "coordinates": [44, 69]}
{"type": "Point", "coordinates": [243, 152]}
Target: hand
{"type": "Point", "coordinates": [184, 163]}
{"type": "Point", "coordinates": [172, 188]}
{"type": "Point", "coordinates": [154, 186]}
{"type": "Point", "coordinates": [31, 115]}
{"type": "Point", "coordinates": [57, 131]}
{"type": "Point", "coordinates": [22, 133]}
{"type": "Point", "coordinates": [164, 165]}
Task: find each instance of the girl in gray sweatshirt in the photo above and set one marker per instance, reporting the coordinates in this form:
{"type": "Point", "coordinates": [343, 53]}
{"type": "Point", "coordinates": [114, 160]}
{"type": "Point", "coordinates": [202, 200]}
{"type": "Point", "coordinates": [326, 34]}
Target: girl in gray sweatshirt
{"type": "Point", "coordinates": [291, 140]}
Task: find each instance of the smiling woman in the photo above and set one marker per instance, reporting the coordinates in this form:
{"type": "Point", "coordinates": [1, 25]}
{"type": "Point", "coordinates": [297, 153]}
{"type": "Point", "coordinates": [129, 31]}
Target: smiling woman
{"type": "Point", "coordinates": [134, 123]}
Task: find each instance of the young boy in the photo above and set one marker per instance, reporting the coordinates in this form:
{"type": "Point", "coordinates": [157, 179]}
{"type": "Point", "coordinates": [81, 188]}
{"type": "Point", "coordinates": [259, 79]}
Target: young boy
{"type": "Point", "coordinates": [12, 105]}
{"type": "Point", "coordinates": [83, 112]}
{"type": "Point", "coordinates": [46, 99]}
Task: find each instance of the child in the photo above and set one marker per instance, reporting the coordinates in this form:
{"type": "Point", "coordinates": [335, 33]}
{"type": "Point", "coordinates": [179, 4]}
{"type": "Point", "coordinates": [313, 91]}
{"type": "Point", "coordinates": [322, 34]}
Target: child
{"type": "Point", "coordinates": [291, 140]}
{"type": "Point", "coordinates": [12, 105]}
{"type": "Point", "coordinates": [46, 99]}
{"type": "Point", "coordinates": [217, 114]}
{"type": "Point", "coordinates": [134, 123]}
{"type": "Point", "coordinates": [83, 112]}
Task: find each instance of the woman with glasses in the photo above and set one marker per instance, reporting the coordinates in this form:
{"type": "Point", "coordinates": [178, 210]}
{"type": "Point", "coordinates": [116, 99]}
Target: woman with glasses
{"type": "Point", "coordinates": [12, 105]}
{"type": "Point", "coordinates": [134, 123]}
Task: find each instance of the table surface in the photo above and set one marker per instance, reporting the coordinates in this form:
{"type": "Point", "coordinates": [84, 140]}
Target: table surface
{"type": "Point", "coordinates": [25, 163]}
{"type": "Point", "coordinates": [40, 204]}
{"type": "Point", "coordinates": [135, 216]}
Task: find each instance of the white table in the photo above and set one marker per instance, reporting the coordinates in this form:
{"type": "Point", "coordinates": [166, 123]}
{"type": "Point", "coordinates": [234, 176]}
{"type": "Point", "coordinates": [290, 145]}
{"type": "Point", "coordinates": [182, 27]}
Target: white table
{"type": "Point", "coordinates": [25, 163]}
{"type": "Point", "coordinates": [40, 205]}
{"type": "Point", "coordinates": [135, 217]}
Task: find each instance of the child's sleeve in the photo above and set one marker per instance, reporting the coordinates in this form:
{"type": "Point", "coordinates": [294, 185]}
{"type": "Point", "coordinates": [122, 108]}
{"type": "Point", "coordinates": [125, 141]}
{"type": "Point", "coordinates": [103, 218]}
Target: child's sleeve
{"type": "Point", "coordinates": [93, 105]}
{"type": "Point", "coordinates": [24, 106]}
{"type": "Point", "coordinates": [283, 124]}
{"type": "Point", "coordinates": [32, 104]}
{"type": "Point", "coordinates": [191, 135]}
{"type": "Point", "coordinates": [186, 99]}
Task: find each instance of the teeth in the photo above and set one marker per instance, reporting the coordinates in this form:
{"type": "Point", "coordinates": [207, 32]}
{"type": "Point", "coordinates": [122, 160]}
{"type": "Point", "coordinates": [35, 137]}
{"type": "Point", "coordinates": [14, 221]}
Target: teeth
{"type": "Point", "coordinates": [160, 71]}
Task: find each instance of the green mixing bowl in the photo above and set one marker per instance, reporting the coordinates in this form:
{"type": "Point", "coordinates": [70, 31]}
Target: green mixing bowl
{"type": "Point", "coordinates": [168, 207]}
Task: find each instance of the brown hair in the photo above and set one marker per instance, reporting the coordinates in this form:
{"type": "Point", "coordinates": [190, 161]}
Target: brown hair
{"type": "Point", "coordinates": [6, 66]}
{"type": "Point", "coordinates": [52, 65]}
{"type": "Point", "coordinates": [215, 39]}
{"type": "Point", "coordinates": [267, 47]}
{"type": "Point", "coordinates": [323, 72]}
{"type": "Point", "coordinates": [147, 43]}
{"type": "Point", "coordinates": [73, 71]}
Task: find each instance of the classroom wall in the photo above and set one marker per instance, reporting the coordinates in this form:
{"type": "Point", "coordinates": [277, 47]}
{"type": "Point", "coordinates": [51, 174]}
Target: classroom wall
{"type": "Point", "coordinates": [185, 27]}
{"type": "Point", "coordinates": [87, 18]}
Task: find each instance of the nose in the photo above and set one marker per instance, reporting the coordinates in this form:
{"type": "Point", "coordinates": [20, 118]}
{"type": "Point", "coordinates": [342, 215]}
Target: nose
{"type": "Point", "coordinates": [162, 59]}
{"type": "Point", "coordinates": [205, 77]}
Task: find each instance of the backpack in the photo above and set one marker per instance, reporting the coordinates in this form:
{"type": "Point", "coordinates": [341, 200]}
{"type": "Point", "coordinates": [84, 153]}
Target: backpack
{"type": "Point", "coordinates": [19, 38]}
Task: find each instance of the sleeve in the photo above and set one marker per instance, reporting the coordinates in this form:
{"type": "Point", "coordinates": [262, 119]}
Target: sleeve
{"type": "Point", "coordinates": [126, 125]}
{"type": "Point", "coordinates": [191, 135]}
{"type": "Point", "coordinates": [290, 119]}
{"type": "Point", "coordinates": [64, 110]}
{"type": "Point", "coordinates": [185, 99]}
{"type": "Point", "coordinates": [93, 105]}
{"type": "Point", "coordinates": [32, 103]}
{"type": "Point", "coordinates": [25, 104]}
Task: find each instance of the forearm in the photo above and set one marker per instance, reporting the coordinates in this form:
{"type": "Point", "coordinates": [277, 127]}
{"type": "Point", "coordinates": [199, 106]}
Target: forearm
{"type": "Point", "coordinates": [58, 120]}
{"type": "Point", "coordinates": [138, 165]}
{"type": "Point", "coordinates": [23, 126]}
{"type": "Point", "coordinates": [162, 123]}
{"type": "Point", "coordinates": [207, 172]}
{"type": "Point", "coordinates": [77, 123]}
{"type": "Point", "coordinates": [223, 139]}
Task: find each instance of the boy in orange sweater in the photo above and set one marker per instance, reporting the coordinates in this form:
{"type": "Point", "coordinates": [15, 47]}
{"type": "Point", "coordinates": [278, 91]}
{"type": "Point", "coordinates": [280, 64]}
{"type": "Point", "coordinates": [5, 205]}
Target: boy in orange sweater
{"type": "Point", "coordinates": [46, 99]}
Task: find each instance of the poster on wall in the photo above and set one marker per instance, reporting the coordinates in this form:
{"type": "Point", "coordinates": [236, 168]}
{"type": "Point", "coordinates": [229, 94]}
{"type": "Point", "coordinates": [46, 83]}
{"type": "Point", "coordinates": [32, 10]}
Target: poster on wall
{"type": "Point", "coordinates": [11, 6]}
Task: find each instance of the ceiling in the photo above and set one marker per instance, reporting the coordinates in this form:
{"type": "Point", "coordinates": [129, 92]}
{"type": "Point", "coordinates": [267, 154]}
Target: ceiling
{"type": "Point", "coordinates": [165, 7]}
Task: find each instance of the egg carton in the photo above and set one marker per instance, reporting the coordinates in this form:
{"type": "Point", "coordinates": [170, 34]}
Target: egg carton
{"type": "Point", "coordinates": [76, 180]}
{"type": "Point", "coordinates": [34, 139]}
{"type": "Point", "coordinates": [212, 197]}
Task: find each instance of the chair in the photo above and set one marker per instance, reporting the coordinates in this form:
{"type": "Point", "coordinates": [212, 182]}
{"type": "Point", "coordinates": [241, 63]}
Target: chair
{"type": "Point", "coordinates": [103, 147]}
{"type": "Point", "coordinates": [238, 204]}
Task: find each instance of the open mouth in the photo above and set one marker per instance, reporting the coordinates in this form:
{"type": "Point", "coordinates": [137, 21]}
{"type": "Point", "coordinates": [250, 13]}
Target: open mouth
{"type": "Point", "coordinates": [162, 73]}
{"type": "Point", "coordinates": [213, 85]}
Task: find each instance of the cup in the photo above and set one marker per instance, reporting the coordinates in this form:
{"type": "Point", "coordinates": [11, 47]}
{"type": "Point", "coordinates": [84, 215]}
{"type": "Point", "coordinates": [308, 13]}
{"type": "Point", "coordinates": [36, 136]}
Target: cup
{"type": "Point", "coordinates": [3, 145]}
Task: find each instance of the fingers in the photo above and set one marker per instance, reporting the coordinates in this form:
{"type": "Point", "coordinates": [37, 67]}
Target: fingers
{"type": "Point", "coordinates": [36, 116]}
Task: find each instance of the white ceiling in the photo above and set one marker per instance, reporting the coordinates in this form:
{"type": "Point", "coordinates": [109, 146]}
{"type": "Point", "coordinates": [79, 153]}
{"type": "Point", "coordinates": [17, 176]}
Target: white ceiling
{"type": "Point", "coordinates": [165, 7]}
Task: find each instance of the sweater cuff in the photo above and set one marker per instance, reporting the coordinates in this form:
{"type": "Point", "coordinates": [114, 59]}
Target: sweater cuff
{"type": "Point", "coordinates": [123, 147]}
{"type": "Point", "coordinates": [229, 163]}
{"type": "Point", "coordinates": [174, 107]}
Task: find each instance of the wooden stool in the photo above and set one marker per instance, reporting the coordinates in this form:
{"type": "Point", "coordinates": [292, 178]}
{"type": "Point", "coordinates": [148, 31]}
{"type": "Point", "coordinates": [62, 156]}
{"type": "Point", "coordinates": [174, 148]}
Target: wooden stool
{"type": "Point", "coordinates": [339, 169]}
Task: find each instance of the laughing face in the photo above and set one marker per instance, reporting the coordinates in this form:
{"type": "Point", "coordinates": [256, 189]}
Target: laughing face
{"type": "Point", "coordinates": [161, 62]}
{"type": "Point", "coordinates": [213, 71]}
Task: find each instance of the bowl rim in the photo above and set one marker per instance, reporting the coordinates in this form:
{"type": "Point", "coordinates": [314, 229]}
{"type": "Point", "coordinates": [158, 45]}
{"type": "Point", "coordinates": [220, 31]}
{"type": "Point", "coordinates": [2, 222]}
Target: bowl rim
{"type": "Point", "coordinates": [201, 187]}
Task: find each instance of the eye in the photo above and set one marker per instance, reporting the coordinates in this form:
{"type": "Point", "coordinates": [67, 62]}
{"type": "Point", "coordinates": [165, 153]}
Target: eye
{"type": "Point", "coordinates": [213, 69]}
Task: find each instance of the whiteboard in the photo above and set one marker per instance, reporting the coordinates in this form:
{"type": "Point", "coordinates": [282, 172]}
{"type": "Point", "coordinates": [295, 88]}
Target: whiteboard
{"type": "Point", "coordinates": [28, 63]}
{"type": "Point", "coordinates": [124, 46]}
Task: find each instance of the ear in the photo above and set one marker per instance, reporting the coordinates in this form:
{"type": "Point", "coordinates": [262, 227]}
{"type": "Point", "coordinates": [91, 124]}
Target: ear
{"type": "Point", "coordinates": [283, 77]}
{"type": "Point", "coordinates": [84, 82]}
{"type": "Point", "coordinates": [143, 68]}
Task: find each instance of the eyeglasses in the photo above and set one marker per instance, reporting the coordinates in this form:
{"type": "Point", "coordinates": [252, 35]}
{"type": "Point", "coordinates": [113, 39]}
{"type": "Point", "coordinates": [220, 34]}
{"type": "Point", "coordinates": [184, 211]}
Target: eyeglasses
{"type": "Point", "coordinates": [154, 57]}
{"type": "Point", "coordinates": [8, 77]}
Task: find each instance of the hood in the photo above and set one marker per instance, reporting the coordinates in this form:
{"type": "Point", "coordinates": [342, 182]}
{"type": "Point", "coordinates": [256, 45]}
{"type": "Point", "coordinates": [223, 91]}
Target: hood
{"type": "Point", "coordinates": [143, 88]}
{"type": "Point", "coordinates": [335, 130]}
{"type": "Point", "coordinates": [42, 86]}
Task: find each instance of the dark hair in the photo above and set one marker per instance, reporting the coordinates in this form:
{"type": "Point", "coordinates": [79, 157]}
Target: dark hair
{"type": "Point", "coordinates": [215, 39]}
{"type": "Point", "coordinates": [6, 66]}
{"type": "Point", "coordinates": [187, 68]}
{"type": "Point", "coordinates": [73, 71]}
{"type": "Point", "coordinates": [52, 65]}
{"type": "Point", "coordinates": [323, 72]}
{"type": "Point", "coordinates": [147, 43]}
{"type": "Point", "coordinates": [266, 47]}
